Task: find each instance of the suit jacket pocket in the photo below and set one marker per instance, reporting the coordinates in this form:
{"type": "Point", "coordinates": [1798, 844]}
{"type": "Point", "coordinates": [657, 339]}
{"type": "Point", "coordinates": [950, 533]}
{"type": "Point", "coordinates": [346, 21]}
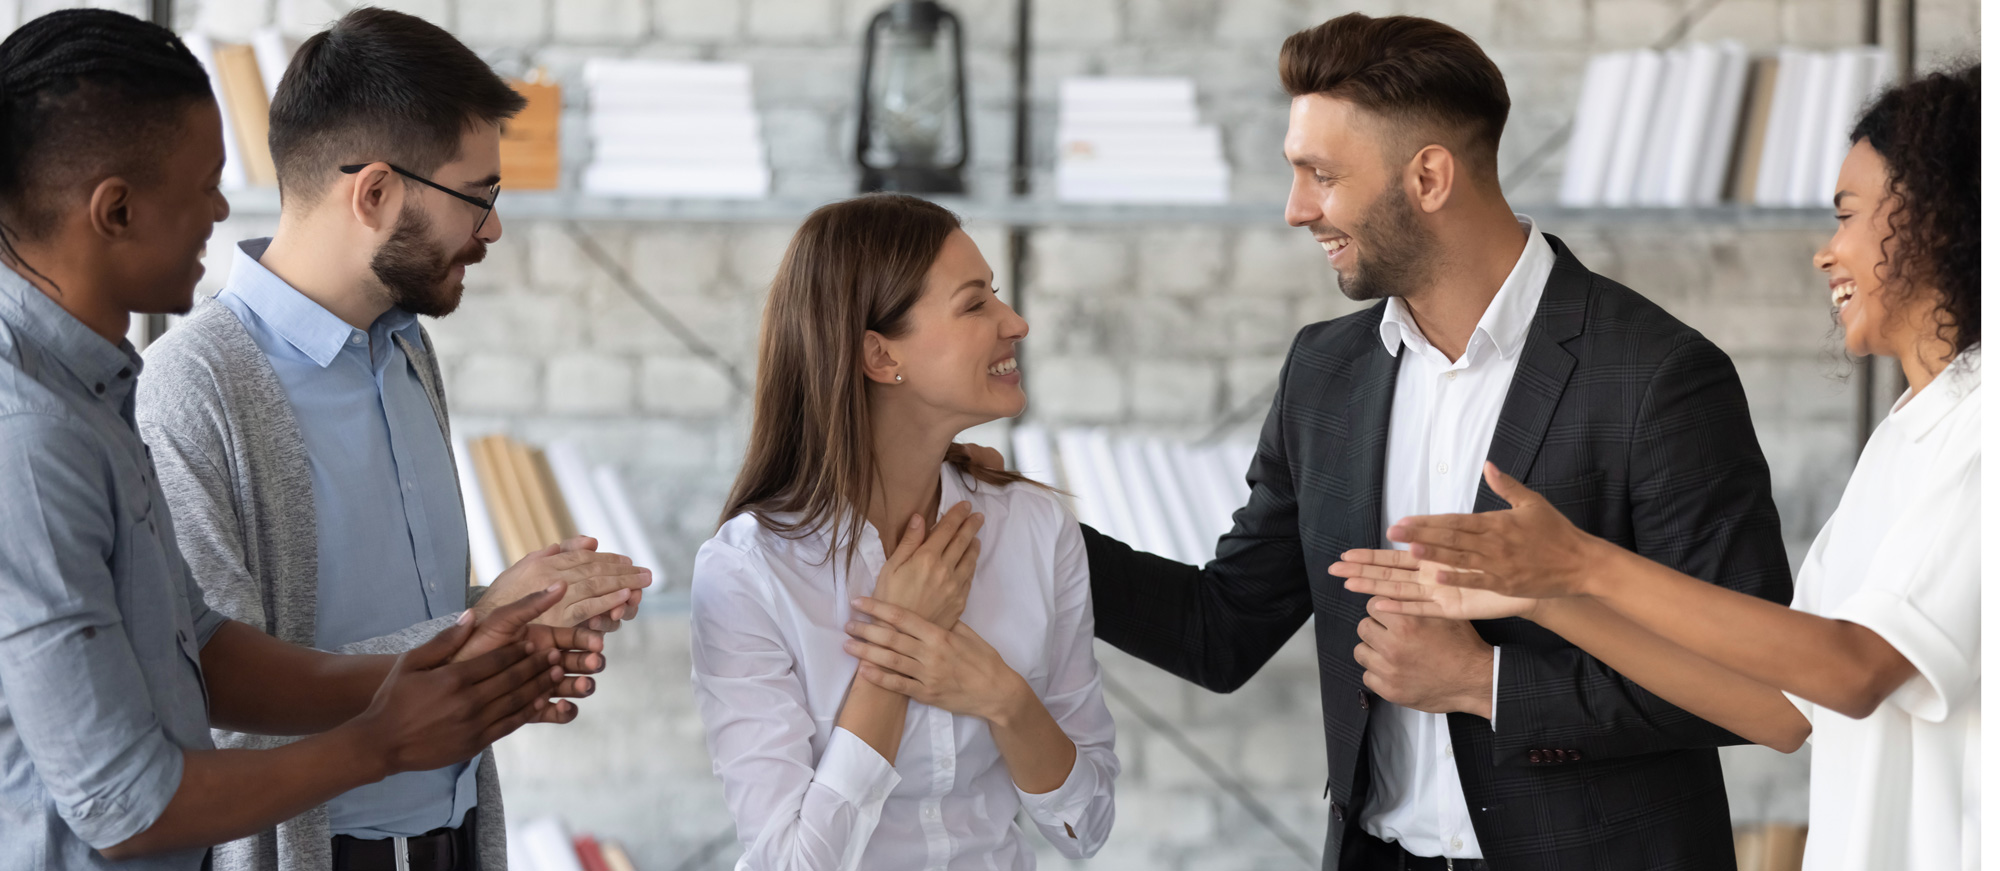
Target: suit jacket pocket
{"type": "Point", "coordinates": [1572, 492]}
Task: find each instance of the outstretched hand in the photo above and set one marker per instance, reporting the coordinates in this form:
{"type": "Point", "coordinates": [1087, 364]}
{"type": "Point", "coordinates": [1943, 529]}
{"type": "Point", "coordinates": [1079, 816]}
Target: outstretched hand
{"type": "Point", "coordinates": [1529, 550]}
{"type": "Point", "coordinates": [1409, 586]}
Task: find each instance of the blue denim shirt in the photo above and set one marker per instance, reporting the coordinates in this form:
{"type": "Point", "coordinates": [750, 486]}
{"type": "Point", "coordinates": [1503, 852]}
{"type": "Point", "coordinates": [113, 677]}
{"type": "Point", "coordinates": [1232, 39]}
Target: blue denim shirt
{"type": "Point", "coordinates": [392, 542]}
{"type": "Point", "coordinates": [101, 627]}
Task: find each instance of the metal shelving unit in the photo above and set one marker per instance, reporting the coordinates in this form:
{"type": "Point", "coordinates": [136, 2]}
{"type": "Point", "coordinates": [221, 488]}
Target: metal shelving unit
{"type": "Point", "coordinates": [566, 206]}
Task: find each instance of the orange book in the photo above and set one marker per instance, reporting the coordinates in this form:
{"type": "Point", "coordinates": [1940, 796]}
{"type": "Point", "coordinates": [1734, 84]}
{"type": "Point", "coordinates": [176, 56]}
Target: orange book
{"type": "Point", "coordinates": [530, 150]}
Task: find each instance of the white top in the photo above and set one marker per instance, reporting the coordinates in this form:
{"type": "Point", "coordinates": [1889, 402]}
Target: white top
{"type": "Point", "coordinates": [770, 677]}
{"type": "Point", "coordinates": [1440, 427]}
{"type": "Point", "coordinates": [1900, 787]}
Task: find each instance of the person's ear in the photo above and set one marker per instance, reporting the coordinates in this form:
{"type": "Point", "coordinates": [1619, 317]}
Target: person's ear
{"type": "Point", "coordinates": [1433, 173]}
{"type": "Point", "coordinates": [878, 362]}
{"type": "Point", "coordinates": [111, 209]}
{"type": "Point", "coordinates": [375, 199]}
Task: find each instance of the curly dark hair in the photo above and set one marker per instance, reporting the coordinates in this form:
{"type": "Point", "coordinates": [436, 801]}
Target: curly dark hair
{"type": "Point", "coordinates": [1927, 132]}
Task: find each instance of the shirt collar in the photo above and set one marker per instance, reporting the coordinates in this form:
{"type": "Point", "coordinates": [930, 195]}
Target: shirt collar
{"type": "Point", "coordinates": [308, 326]}
{"type": "Point", "coordinates": [105, 370]}
{"type": "Point", "coordinates": [1504, 325]}
{"type": "Point", "coordinates": [1922, 413]}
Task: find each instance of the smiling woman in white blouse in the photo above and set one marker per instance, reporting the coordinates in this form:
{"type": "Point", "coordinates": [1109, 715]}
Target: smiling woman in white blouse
{"type": "Point", "coordinates": [881, 691]}
{"type": "Point", "coordinates": [1878, 657]}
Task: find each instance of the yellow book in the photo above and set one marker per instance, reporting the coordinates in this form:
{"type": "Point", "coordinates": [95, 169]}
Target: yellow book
{"type": "Point", "coordinates": [558, 504]}
{"type": "Point", "coordinates": [249, 108]}
{"type": "Point", "coordinates": [541, 517]}
{"type": "Point", "coordinates": [491, 460]}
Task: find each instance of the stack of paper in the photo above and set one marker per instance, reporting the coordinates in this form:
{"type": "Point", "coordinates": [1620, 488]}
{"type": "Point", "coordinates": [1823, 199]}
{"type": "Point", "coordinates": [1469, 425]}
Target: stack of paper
{"type": "Point", "coordinates": [1696, 124]}
{"type": "Point", "coordinates": [673, 129]}
{"type": "Point", "coordinates": [1172, 498]}
{"type": "Point", "coordinates": [1136, 140]}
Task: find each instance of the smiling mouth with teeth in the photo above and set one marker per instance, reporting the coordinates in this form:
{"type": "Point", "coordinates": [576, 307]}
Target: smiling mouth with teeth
{"type": "Point", "coordinates": [1004, 367]}
{"type": "Point", "coordinates": [1842, 294]}
{"type": "Point", "coordinates": [1334, 245]}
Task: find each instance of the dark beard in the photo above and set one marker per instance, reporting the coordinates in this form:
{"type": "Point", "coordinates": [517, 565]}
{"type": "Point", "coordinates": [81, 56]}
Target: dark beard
{"type": "Point", "coordinates": [1395, 249]}
{"type": "Point", "coordinates": [414, 270]}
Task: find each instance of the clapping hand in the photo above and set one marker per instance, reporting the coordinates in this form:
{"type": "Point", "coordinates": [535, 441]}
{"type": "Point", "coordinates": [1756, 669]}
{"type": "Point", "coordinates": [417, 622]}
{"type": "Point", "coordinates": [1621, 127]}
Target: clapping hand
{"type": "Point", "coordinates": [439, 706]}
{"type": "Point", "coordinates": [1529, 550]}
{"type": "Point", "coordinates": [575, 651]}
{"type": "Point", "coordinates": [600, 588]}
{"type": "Point", "coordinates": [1409, 586]}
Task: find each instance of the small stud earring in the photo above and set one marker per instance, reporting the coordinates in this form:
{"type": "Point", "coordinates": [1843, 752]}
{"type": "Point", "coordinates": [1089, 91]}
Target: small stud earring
{"type": "Point", "coordinates": [899, 378]}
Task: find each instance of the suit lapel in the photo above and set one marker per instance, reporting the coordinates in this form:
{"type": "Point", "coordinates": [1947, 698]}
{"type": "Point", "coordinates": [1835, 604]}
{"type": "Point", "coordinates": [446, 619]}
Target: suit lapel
{"type": "Point", "coordinates": [1368, 402]}
{"type": "Point", "coordinates": [1542, 374]}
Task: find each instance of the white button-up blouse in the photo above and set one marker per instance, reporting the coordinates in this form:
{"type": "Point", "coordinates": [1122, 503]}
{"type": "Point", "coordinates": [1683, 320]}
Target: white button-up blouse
{"type": "Point", "coordinates": [770, 677]}
{"type": "Point", "coordinates": [1899, 788]}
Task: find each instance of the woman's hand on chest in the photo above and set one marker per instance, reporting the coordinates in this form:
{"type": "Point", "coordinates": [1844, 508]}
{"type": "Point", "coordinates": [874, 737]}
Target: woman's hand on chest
{"type": "Point", "coordinates": [930, 573]}
{"type": "Point", "coordinates": [953, 670]}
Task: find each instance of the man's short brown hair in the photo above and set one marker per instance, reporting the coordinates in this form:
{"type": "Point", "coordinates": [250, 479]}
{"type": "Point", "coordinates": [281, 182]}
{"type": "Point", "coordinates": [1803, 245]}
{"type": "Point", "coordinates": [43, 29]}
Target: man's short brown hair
{"type": "Point", "coordinates": [1413, 72]}
{"type": "Point", "coordinates": [379, 85]}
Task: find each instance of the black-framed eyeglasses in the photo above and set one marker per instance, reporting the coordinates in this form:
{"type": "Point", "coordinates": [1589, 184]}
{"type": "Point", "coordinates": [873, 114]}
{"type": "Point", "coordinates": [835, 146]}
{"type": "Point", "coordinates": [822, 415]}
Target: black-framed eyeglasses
{"type": "Point", "coordinates": [485, 205]}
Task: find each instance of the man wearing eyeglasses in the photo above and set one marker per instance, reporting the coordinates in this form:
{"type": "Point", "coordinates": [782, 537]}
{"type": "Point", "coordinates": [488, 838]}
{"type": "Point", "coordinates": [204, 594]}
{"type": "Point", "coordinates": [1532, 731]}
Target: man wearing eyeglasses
{"type": "Point", "coordinates": [299, 423]}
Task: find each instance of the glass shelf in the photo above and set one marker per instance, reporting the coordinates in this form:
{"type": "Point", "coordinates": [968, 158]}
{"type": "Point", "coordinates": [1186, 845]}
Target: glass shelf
{"type": "Point", "coordinates": [561, 205]}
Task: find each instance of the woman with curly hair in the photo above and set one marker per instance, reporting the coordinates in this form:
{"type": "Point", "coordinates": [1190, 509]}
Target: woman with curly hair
{"type": "Point", "coordinates": [1877, 660]}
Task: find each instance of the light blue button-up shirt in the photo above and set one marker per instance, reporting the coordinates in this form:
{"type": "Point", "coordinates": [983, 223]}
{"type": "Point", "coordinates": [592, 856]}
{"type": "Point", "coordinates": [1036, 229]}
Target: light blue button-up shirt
{"type": "Point", "coordinates": [101, 628]}
{"type": "Point", "coordinates": [392, 542]}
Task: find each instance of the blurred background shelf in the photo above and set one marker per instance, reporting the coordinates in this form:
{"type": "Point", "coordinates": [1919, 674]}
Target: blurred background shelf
{"type": "Point", "coordinates": [568, 206]}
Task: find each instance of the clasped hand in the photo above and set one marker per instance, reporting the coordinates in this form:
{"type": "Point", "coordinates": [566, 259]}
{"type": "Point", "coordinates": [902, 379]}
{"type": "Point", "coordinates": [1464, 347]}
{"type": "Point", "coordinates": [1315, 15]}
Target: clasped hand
{"type": "Point", "coordinates": [950, 669]}
{"type": "Point", "coordinates": [918, 647]}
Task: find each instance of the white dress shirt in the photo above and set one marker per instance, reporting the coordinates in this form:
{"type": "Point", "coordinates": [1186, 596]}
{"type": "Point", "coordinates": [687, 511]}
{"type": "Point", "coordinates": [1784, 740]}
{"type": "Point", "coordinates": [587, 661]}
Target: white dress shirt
{"type": "Point", "coordinates": [1899, 788]}
{"type": "Point", "coordinates": [1440, 427]}
{"type": "Point", "coordinates": [770, 677]}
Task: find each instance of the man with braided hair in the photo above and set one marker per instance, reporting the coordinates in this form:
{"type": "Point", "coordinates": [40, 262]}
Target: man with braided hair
{"type": "Point", "coordinates": [112, 665]}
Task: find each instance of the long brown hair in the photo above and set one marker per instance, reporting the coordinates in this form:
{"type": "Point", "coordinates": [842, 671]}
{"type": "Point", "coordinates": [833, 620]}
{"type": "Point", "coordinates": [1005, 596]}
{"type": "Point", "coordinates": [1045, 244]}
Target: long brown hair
{"type": "Point", "coordinates": [853, 266]}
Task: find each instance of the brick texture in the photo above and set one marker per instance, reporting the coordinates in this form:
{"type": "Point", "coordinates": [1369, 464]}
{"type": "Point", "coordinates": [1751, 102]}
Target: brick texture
{"type": "Point", "coordinates": [1151, 328]}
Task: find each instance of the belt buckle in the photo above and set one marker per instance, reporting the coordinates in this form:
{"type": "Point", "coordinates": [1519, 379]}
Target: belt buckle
{"type": "Point", "coordinates": [402, 848]}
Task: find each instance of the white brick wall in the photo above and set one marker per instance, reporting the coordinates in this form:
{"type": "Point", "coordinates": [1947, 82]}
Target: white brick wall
{"type": "Point", "coordinates": [1153, 328]}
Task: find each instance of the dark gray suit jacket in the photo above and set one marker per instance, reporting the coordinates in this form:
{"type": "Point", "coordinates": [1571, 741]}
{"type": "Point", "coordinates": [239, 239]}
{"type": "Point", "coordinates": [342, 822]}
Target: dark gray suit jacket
{"type": "Point", "coordinates": [1631, 424]}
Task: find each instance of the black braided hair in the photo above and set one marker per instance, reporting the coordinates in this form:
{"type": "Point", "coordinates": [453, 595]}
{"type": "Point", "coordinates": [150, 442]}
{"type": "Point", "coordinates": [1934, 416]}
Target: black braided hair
{"type": "Point", "coordinates": [1927, 132]}
{"type": "Point", "coordinates": [84, 93]}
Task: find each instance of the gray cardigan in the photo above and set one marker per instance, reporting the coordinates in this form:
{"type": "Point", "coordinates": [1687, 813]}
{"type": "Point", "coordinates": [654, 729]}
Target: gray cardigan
{"type": "Point", "coordinates": [235, 472]}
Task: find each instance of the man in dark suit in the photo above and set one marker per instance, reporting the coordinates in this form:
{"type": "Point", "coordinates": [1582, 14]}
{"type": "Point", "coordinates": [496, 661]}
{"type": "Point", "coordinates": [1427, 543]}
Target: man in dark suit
{"type": "Point", "coordinates": [1451, 744]}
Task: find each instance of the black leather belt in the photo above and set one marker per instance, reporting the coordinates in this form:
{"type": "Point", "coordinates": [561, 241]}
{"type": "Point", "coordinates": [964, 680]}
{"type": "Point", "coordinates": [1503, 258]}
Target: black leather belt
{"type": "Point", "coordinates": [436, 850]}
{"type": "Point", "coordinates": [1365, 852]}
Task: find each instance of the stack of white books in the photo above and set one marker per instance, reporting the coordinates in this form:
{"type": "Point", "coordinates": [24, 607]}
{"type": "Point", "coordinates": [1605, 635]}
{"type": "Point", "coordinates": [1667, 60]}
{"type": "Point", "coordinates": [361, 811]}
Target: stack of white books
{"type": "Point", "coordinates": [673, 129]}
{"type": "Point", "coordinates": [1703, 123]}
{"type": "Point", "coordinates": [1136, 140]}
{"type": "Point", "coordinates": [1816, 98]}
{"type": "Point", "coordinates": [1170, 497]}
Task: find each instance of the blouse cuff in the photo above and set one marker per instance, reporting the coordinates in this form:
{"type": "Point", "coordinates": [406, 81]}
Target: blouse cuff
{"type": "Point", "coordinates": [854, 771]}
{"type": "Point", "coordinates": [1064, 805]}
{"type": "Point", "coordinates": [1944, 675]}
